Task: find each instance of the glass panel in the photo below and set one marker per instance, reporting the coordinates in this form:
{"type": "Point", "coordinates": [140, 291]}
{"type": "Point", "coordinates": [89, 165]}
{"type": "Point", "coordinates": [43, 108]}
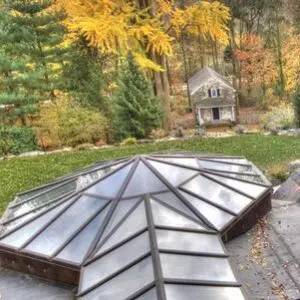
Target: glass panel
{"type": "Point", "coordinates": [175, 175]}
{"type": "Point", "coordinates": [216, 216]}
{"type": "Point", "coordinates": [121, 210]}
{"type": "Point", "coordinates": [150, 295]}
{"type": "Point", "coordinates": [223, 166]}
{"type": "Point", "coordinates": [125, 284]}
{"type": "Point", "coordinates": [134, 222]}
{"type": "Point", "coordinates": [86, 179]}
{"type": "Point", "coordinates": [247, 177]}
{"type": "Point", "coordinates": [143, 181]}
{"type": "Point", "coordinates": [111, 185]}
{"type": "Point", "coordinates": [115, 260]}
{"type": "Point", "coordinates": [193, 292]}
{"type": "Point", "coordinates": [20, 220]}
{"type": "Point", "coordinates": [50, 195]}
{"type": "Point", "coordinates": [189, 162]}
{"type": "Point", "coordinates": [164, 216]}
{"type": "Point", "coordinates": [196, 267]}
{"type": "Point", "coordinates": [78, 247]}
{"type": "Point", "coordinates": [218, 194]}
{"type": "Point", "coordinates": [31, 194]}
{"type": "Point", "coordinates": [28, 206]}
{"type": "Point", "coordinates": [189, 241]}
{"type": "Point", "coordinates": [172, 200]}
{"type": "Point", "coordinates": [231, 160]}
{"type": "Point", "coordinates": [62, 228]}
{"type": "Point", "coordinates": [250, 189]}
{"type": "Point", "coordinates": [19, 237]}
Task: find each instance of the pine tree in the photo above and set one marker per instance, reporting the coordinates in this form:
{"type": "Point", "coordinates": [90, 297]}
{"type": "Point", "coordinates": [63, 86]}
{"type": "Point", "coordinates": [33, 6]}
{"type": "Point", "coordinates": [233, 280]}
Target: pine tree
{"type": "Point", "coordinates": [83, 76]}
{"type": "Point", "coordinates": [31, 55]}
{"type": "Point", "coordinates": [137, 111]}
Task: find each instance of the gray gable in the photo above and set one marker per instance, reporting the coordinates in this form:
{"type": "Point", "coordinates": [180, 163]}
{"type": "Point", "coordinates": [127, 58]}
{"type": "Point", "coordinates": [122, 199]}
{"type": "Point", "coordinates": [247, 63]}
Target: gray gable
{"type": "Point", "coordinates": [198, 79]}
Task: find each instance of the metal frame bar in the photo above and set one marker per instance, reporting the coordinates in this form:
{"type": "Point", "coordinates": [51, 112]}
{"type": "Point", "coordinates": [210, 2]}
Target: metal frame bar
{"type": "Point", "coordinates": [80, 229]}
{"type": "Point", "coordinates": [113, 207]}
{"type": "Point", "coordinates": [175, 191]}
{"type": "Point", "coordinates": [93, 255]}
{"type": "Point", "coordinates": [35, 217]}
{"type": "Point", "coordinates": [60, 200]}
{"type": "Point", "coordinates": [112, 275]}
{"type": "Point", "coordinates": [158, 274]}
{"type": "Point", "coordinates": [202, 282]}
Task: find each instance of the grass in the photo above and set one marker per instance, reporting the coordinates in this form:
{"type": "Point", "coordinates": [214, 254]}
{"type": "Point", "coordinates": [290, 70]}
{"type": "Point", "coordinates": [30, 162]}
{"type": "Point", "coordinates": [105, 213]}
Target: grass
{"type": "Point", "coordinates": [21, 174]}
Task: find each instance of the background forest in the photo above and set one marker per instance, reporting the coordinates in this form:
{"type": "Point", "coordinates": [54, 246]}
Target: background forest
{"type": "Point", "coordinates": [97, 72]}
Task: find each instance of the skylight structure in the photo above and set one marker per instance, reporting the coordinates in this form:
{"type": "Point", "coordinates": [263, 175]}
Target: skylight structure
{"type": "Point", "coordinates": [149, 227]}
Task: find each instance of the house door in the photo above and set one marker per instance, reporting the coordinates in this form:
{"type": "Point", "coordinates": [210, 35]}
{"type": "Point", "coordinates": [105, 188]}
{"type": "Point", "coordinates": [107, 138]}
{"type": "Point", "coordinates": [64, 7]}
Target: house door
{"type": "Point", "coordinates": [216, 113]}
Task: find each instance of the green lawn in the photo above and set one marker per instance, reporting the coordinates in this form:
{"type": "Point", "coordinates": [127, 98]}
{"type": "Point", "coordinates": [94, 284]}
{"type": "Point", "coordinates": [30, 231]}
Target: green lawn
{"type": "Point", "coordinates": [20, 174]}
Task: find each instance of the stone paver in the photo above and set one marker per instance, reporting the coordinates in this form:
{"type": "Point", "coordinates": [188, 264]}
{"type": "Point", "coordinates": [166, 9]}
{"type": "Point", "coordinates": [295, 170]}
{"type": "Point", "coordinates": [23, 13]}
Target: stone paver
{"type": "Point", "coordinates": [18, 286]}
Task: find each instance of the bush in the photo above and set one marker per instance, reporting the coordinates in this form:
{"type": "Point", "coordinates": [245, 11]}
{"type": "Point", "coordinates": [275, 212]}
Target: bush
{"type": "Point", "coordinates": [158, 133]}
{"type": "Point", "coordinates": [130, 141]}
{"type": "Point", "coordinates": [64, 124]}
{"type": "Point", "coordinates": [280, 117]}
{"type": "Point", "coordinates": [16, 140]}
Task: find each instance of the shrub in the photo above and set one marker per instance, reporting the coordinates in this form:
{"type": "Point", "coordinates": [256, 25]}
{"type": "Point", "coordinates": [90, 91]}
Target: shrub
{"type": "Point", "coordinates": [280, 117]}
{"type": "Point", "coordinates": [16, 140]}
{"type": "Point", "coordinates": [158, 133]}
{"type": "Point", "coordinates": [65, 124]}
{"type": "Point", "coordinates": [83, 147]}
{"type": "Point", "coordinates": [130, 141]}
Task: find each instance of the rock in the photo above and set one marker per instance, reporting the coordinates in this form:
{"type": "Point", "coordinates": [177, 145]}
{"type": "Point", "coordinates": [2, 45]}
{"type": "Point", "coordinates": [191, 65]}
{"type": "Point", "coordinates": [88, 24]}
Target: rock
{"type": "Point", "coordinates": [31, 153]}
{"type": "Point", "coordinates": [292, 166]}
{"type": "Point", "coordinates": [289, 132]}
{"type": "Point", "coordinates": [239, 129]}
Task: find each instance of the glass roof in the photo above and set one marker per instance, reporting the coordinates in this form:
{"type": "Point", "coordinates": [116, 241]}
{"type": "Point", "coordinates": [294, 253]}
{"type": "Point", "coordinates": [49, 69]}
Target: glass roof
{"type": "Point", "coordinates": [147, 227]}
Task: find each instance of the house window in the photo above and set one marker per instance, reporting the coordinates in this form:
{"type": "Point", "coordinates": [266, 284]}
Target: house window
{"type": "Point", "coordinates": [214, 93]}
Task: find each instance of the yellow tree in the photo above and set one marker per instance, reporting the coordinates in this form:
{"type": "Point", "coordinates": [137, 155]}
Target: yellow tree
{"type": "Point", "coordinates": [291, 62]}
{"type": "Point", "coordinates": [146, 28]}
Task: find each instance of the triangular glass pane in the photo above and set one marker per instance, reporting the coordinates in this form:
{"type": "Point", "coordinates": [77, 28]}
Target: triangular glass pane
{"type": "Point", "coordinates": [65, 225]}
{"type": "Point", "coordinates": [172, 200]}
{"type": "Point", "coordinates": [175, 175]}
{"type": "Point", "coordinates": [115, 260]}
{"type": "Point", "coordinates": [164, 216]}
{"type": "Point", "coordinates": [217, 193]}
{"type": "Point", "coordinates": [95, 174]}
{"type": "Point", "coordinates": [110, 186]}
{"type": "Point", "coordinates": [249, 189]}
{"type": "Point", "coordinates": [121, 210]}
{"type": "Point", "coordinates": [76, 250]}
{"type": "Point", "coordinates": [132, 224]}
{"type": "Point", "coordinates": [20, 236]}
{"type": "Point", "coordinates": [125, 284]}
{"type": "Point", "coordinates": [143, 181]}
{"type": "Point", "coordinates": [219, 218]}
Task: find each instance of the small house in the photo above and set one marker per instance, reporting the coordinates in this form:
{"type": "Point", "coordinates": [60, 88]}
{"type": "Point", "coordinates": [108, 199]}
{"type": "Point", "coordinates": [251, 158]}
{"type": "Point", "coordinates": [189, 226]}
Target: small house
{"type": "Point", "coordinates": [213, 97]}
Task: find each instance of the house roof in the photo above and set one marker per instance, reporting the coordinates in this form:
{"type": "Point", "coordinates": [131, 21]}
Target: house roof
{"type": "Point", "coordinates": [201, 77]}
{"type": "Point", "coordinates": [147, 226]}
{"type": "Point", "coordinates": [215, 102]}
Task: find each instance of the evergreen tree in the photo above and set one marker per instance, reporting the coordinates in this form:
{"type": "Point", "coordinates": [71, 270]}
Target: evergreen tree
{"type": "Point", "coordinates": [31, 55]}
{"type": "Point", "coordinates": [297, 106]}
{"type": "Point", "coordinates": [137, 111]}
{"type": "Point", "coordinates": [83, 76]}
